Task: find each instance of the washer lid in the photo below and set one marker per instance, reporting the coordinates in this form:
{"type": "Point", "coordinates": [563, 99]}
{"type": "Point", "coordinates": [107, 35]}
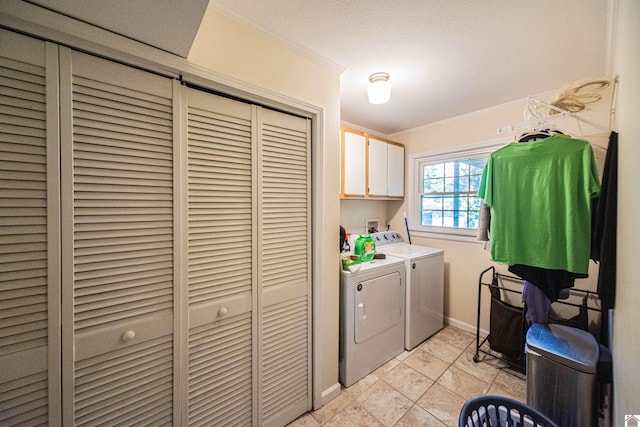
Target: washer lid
{"type": "Point", "coordinates": [373, 264]}
{"type": "Point", "coordinates": [409, 251]}
{"type": "Point", "coordinates": [572, 347]}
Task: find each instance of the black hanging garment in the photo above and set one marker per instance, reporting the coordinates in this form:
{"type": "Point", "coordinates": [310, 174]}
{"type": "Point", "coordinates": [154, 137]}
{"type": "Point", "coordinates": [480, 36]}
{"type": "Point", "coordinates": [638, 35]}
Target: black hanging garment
{"type": "Point", "coordinates": [551, 282]}
{"type": "Point", "coordinates": [603, 238]}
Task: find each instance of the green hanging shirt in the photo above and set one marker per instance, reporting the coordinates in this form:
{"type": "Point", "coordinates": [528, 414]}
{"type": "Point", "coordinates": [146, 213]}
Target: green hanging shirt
{"type": "Point", "coordinates": [540, 196]}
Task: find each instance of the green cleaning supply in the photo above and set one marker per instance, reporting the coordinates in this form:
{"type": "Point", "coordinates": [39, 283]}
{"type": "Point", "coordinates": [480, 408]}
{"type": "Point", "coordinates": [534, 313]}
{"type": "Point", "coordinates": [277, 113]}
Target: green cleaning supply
{"type": "Point", "coordinates": [365, 248]}
{"type": "Point", "coordinates": [349, 261]}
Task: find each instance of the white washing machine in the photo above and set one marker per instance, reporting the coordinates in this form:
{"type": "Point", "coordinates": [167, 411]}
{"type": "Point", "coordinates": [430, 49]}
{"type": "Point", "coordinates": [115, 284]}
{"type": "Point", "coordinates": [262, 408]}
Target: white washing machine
{"type": "Point", "coordinates": [424, 304]}
{"type": "Point", "coordinates": [371, 317]}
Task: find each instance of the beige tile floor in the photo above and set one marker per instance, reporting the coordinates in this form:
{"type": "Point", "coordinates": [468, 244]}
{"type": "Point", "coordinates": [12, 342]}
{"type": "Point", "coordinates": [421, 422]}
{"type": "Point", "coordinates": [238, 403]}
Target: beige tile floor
{"type": "Point", "coordinates": [424, 387]}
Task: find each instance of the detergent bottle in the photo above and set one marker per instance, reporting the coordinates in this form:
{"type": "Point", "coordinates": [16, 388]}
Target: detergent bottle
{"type": "Point", "coordinates": [365, 248]}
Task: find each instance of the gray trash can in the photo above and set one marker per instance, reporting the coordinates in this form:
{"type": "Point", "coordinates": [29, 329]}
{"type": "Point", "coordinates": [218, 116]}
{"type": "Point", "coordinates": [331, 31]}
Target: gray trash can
{"type": "Point", "coordinates": [561, 373]}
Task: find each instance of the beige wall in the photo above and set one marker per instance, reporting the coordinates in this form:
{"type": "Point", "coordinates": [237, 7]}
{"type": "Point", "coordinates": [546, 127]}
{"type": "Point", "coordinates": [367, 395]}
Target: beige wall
{"type": "Point", "coordinates": [355, 213]}
{"type": "Point", "coordinates": [233, 50]}
{"type": "Point", "coordinates": [464, 261]}
{"type": "Point", "coordinates": [626, 344]}
{"type": "Point", "coordinates": [229, 48]}
{"type": "Point", "coordinates": [219, 45]}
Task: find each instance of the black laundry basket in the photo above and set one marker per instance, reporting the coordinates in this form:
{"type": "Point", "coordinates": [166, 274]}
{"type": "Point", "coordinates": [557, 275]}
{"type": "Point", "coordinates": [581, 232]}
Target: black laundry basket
{"type": "Point", "coordinates": [500, 411]}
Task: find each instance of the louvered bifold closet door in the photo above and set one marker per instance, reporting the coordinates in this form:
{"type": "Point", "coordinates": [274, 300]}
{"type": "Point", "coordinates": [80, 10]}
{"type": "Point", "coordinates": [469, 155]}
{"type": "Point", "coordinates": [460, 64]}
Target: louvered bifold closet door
{"type": "Point", "coordinates": [285, 266]}
{"type": "Point", "coordinates": [29, 232]}
{"type": "Point", "coordinates": [117, 172]}
{"type": "Point", "coordinates": [220, 261]}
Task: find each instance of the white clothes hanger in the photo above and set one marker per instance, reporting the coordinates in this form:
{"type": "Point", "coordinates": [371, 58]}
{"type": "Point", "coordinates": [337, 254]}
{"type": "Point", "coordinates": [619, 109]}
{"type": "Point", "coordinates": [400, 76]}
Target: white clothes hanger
{"type": "Point", "coordinates": [534, 118]}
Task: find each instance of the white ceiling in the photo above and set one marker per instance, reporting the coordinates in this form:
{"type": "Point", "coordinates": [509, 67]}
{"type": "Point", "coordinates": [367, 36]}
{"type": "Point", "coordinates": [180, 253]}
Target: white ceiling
{"type": "Point", "coordinates": [445, 57]}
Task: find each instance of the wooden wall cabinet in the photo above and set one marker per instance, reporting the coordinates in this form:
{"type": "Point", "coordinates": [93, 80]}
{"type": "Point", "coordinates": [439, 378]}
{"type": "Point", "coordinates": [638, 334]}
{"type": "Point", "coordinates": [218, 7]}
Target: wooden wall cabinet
{"type": "Point", "coordinates": [371, 167]}
{"type": "Point", "coordinates": [354, 164]}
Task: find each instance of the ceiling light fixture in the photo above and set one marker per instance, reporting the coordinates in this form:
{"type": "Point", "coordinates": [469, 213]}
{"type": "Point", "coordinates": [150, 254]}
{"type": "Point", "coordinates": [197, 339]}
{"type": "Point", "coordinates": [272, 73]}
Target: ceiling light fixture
{"type": "Point", "coordinates": [379, 90]}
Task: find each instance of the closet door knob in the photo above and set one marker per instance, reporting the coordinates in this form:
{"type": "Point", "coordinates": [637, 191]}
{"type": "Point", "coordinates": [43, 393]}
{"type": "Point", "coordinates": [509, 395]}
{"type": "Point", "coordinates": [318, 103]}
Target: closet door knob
{"type": "Point", "coordinates": [223, 311]}
{"type": "Point", "coordinates": [128, 336]}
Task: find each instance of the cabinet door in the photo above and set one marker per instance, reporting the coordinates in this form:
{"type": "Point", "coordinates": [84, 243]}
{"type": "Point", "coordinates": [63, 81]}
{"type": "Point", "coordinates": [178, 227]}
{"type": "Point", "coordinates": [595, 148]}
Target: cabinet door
{"type": "Point", "coordinates": [284, 266]}
{"type": "Point", "coordinates": [118, 254]}
{"type": "Point", "coordinates": [221, 260]}
{"type": "Point", "coordinates": [395, 167]}
{"type": "Point", "coordinates": [354, 161]}
{"type": "Point", "coordinates": [377, 168]}
{"type": "Point", "coordinates": [29, 232]}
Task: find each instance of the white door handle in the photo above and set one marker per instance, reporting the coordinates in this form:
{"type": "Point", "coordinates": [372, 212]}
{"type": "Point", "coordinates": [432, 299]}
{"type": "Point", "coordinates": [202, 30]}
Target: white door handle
{"type": "Point", "coordinates": [128, 336]}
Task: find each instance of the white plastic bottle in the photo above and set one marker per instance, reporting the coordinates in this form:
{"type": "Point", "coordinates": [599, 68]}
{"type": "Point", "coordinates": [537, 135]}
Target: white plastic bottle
{"type": "Point", "coordinates": [346, 248]}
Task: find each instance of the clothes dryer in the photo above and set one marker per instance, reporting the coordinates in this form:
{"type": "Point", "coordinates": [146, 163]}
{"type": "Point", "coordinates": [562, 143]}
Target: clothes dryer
{"type": "Point", "coordinates": [424, 296]}
{"type": "Point", "coordinates": [371, 317]}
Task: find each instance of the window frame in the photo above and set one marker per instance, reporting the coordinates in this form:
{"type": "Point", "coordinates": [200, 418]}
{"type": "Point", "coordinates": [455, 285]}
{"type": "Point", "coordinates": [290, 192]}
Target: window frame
{"type": "Point", "coordinates": [466, 152]}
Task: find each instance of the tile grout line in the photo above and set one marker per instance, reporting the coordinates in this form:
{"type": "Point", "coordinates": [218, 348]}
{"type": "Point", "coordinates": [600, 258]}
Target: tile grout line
{"type": "Point", "coordinates": [353, 399]}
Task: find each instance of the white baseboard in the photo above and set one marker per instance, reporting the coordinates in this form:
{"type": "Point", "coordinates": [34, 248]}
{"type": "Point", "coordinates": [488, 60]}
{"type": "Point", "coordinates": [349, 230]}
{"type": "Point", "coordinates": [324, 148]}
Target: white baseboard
{"type": "Point", "coordinates": [465, 326]}
{"type": "Point", "coordinates": [334, 391]}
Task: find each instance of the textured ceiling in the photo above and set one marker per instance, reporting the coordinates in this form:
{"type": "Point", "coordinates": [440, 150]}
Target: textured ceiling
{"type": "Point", "coordinates": [445, 57]}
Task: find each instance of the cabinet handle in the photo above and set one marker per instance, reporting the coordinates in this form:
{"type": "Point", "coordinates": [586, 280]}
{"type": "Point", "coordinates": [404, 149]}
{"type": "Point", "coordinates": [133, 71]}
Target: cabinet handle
{"type": "Point", "coordinates": [223, 311]}
{"type": "Point", "coordinates": [128, 336]}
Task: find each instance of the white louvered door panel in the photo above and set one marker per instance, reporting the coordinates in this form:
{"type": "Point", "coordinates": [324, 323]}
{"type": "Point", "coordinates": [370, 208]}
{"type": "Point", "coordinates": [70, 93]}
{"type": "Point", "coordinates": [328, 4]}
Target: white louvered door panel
{"type": "Point", "coordinates": [284, 266]}
{"type": "Point", "coordinates": [29, 232]}
{"type": "Point", "coordinates": [117, 172]}
{"type": "Point", "coordinates": [220, 244]}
